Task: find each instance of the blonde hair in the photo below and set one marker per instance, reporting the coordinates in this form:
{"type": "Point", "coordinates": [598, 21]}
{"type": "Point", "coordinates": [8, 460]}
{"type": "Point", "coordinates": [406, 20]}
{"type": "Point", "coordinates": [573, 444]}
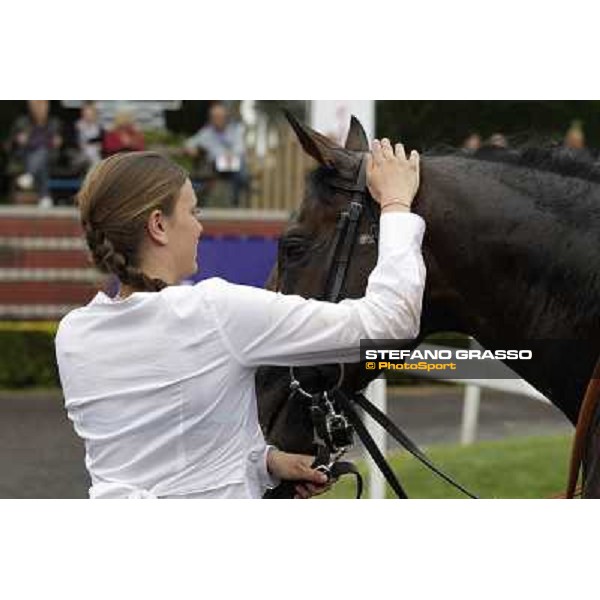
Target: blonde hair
{"type": "Point", "coordinates": [115, 201]}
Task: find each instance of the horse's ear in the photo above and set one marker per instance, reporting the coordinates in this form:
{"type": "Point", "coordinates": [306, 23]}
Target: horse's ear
{"type": "Point", "coordinates": [357, 138]}
{"type": "Point", "coordinates": [314, 144]}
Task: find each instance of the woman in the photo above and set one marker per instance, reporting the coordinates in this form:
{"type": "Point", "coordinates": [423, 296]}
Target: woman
{"type": "Point", "coordinates": [89, 136]}
{"type": "Point", "coordinates": [124, 135]}
{"type": "Point", "coordinates": [159, 381]}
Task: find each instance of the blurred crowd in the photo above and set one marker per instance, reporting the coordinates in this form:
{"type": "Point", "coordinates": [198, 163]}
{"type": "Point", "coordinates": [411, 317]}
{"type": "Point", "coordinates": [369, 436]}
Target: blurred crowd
{"type": "Point", "coordinates": [573, 143]}
{"type": "Point", "coordinates": [43, 155]}
{"type": "Point", "coordinates": [40, 149]}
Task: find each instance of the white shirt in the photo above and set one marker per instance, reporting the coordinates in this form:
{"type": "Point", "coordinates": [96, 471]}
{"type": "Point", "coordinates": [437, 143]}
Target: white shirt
{"type": "Point", "coordinates": [160, 385]}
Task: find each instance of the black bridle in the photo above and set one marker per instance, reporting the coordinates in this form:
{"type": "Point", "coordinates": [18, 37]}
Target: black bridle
{"type": "Point", "coordinates": [346, 230]}
{"type": "Point", "coordinates": [333, 412]}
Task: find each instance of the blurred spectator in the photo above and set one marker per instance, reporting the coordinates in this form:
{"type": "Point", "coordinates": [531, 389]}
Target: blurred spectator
{"type": "Point", "coordinates": [34, 142]}
{"type": "Point", "coordinates": [472, 142]}
{"type": "Point", "coordinates": [124, 136]}
{"type": "Point", "coordinates": [89, 136]}
{"type": "Point", "coordinates": [574, 142]}
{"type": "Point", "coordinates": [222, 140]}
{"type": "Point", "coordinates": [575, 138]}
{"type": "Point", "coordinates": [497, 140]}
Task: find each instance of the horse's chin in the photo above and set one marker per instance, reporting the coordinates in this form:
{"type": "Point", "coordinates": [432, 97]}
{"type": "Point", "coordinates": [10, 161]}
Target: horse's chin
{"type": "Point", "coordinates": [292, 443]}
{"type": "Point", "coordinates": [285, 420]}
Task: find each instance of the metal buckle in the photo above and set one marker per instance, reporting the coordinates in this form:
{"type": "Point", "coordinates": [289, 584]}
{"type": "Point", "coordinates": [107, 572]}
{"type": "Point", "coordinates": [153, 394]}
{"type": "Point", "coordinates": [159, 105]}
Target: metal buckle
{"type": "Point", "coordinates": [355, 210]}
{"type": "Point", "coordinates": [340, 432]}
{"type": "Point", "coordinates": [295, 384]}
{"type": "Point", "coordinates": [327, 468]}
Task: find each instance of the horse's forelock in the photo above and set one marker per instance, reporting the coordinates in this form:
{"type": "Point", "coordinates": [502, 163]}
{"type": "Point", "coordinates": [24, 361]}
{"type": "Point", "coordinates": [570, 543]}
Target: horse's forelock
{"type": "Point", "coordinates": [321, 200]}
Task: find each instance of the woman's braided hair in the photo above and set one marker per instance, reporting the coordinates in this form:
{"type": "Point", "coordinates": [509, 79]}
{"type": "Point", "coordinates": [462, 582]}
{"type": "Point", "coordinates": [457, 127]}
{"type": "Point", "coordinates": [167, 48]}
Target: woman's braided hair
{"type": "Point", "coordinates": [115, 200]}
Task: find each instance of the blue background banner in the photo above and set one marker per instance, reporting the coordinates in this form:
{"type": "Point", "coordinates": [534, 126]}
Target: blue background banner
{"type": "Point", "coordinates": [247, 260]}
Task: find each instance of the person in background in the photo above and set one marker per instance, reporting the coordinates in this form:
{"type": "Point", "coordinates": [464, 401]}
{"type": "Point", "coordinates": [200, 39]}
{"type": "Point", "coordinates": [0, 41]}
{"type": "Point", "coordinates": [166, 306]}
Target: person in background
{"type": "Point", "coordinates": [472, 143]}
{"type": "Point", "coordinates": [222, 140]}
{"type": "Point", "coordinates": [35, 139]}
{"type": "Point", "coordinates": [124, 136]}
{"type": "Point", "coordinates": [575, 137]}
{"type": "Point", "coordinates": [89, 136]}
{"type": "Point", "coordinates": [497, 140]}
{"type": "Point", "coordinates": [574, 142]}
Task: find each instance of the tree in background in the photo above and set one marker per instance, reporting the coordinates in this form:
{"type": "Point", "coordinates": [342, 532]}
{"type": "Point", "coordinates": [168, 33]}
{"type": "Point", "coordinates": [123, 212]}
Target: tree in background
{"type": "Point", "coordinates": [424, 124]}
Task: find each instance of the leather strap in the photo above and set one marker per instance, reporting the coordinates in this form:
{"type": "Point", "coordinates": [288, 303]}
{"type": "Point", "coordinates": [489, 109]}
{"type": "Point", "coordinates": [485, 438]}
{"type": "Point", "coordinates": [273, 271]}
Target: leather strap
{"type": "Point", "coordinates": [345, 236]}
{"type": "Point", "coordinates": [342, 258]}
{"type": "Point", "coordinates": [582, 430]}
{"type": "Point", "coordinates": [372, 449]}
{"type": "Point", "coordinates": [405, 441]}
{"type": "Point", "coordinates": [345, 467]}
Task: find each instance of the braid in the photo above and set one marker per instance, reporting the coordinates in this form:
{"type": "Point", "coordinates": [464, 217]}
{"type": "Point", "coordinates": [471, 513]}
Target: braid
{"type": "Point", "coordinates": [109, 260]}
{"type": "Point", "coordinates": [139, 280]}
{"type": "Point", "coordinates": [115, 201]}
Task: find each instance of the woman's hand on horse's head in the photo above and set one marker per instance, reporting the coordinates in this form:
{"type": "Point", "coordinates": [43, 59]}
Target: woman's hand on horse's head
{"type": "Point", "coordinates": [393, 179]}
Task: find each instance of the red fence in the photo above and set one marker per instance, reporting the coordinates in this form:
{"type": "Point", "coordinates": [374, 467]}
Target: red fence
{"type": "Point", "coordinates": [44, 268]}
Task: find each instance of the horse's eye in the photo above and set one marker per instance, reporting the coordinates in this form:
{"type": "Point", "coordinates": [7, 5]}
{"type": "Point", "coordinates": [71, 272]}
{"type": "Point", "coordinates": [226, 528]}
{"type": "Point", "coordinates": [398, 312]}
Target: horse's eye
{"type": "Point", "coordinates": [294, 248]}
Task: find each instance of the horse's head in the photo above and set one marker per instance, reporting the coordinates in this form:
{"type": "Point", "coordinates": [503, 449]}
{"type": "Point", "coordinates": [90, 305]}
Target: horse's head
{"type": "Point", "coordinates": [306, 245]}
{"type": "Point", "coordinates": [305, 266]}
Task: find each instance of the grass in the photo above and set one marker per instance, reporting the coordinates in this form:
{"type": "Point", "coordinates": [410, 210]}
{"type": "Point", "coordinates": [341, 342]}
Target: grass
{"type": "Point", "coordinates": [49, 327]}
{"type": "Point", "coordinates": [534, 467]}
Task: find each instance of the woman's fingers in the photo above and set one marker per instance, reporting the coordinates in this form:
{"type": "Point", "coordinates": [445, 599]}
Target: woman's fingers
{"type": "Point", "coordinates": [302, 491]}
{"type": "Point", "coordinates": [415, 163]}
{"type": "Point", "coordinates": [377, 152]}
{"type": "Point", "coordinates": [386, 148]}
{"type": "Point", "coordinates": [400, 152]}
{"type": "Point", "coordinates": [308, 490]}
{"type": "Point", "coordinates": [314, 476]}
{"type": "Point", "coordinates": [382, 151]}
{"type": "Point", "coordinates": [303, 471]}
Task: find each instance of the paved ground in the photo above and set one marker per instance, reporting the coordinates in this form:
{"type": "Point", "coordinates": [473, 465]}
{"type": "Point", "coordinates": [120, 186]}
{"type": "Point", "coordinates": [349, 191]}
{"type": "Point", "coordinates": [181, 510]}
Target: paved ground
{"type": "Point", "coordinates": [40, 456]}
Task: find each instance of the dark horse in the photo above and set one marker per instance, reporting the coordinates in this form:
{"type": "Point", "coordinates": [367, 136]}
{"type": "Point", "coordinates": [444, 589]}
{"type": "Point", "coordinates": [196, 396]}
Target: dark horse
{"type": "Point", "coordinates": [511, 249]}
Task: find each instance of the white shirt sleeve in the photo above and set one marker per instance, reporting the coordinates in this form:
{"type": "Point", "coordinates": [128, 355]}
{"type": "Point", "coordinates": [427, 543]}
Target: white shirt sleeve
{"type": "Point", "coordinates": [261, 327]}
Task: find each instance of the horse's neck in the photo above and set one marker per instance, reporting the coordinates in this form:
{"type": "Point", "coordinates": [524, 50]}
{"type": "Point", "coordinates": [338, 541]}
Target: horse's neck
{"type": "Point", "coordinates": [494, 273]}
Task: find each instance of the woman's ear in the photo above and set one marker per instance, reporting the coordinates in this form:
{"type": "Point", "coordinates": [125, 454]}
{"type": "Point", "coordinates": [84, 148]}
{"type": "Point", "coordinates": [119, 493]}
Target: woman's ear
{"type": "Point", "coordinates": [156, 227]}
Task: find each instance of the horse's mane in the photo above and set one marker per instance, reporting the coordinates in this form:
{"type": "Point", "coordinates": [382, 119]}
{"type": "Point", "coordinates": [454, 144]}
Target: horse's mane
{"type": "Point", "coordinates": [561, 161]}
{"type": "Point", "coordinates": [580, 170]}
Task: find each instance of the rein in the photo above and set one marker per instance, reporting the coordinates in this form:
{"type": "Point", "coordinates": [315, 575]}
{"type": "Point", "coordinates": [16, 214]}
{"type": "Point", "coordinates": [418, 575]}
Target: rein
{"type": "Point", "coordinates": [333, 412]}
{"type": "Point", "coordinates": [582, 430]}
